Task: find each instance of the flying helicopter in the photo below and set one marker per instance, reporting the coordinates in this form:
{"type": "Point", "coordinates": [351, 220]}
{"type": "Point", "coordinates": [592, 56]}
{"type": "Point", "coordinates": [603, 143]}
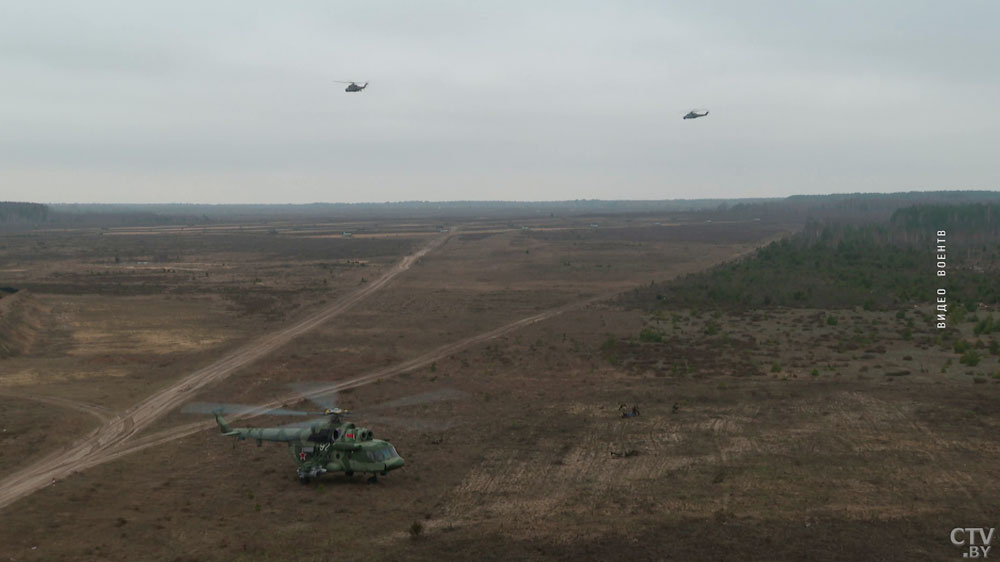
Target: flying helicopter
{"type": "Point", "coordinates": [328, 444]}
{"type": "Point", "coordinates": [696, 113]}
{"type": "Point", "coordinates": [352, 86]}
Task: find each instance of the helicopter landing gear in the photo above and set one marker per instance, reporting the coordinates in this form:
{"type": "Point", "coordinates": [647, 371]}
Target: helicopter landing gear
{"type": "Point", "coordinates": [373, 479]}
{"type": "Point", "coordinates": [306, 476]}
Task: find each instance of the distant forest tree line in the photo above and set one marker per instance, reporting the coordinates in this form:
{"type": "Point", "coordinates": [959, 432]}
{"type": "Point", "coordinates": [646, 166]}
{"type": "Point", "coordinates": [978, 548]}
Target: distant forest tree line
{"type": "Point", "coordinates": [109, 215]}
{"type": "Point", "coordinates": [444, 210]}
{"type": "Point", "coordinates": [833, 265]}
{"type": "Point", "coordinates": [853, 208]}
{"type": "Point", "coordinates": [849, 208]}
{"type": "Point", "coordinates": [12, 213]}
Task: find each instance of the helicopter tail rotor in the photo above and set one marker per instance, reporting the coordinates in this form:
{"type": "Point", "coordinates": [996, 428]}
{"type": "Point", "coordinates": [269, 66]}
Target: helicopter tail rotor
{"type": "Point", "coordinates": [224, 426]}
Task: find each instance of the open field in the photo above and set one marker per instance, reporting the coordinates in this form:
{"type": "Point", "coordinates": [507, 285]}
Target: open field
{"type": "Point", "coordinates": [776, 435]}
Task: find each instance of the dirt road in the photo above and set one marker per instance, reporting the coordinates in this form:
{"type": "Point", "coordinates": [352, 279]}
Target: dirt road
{"type": "Point", "coordinates": [99, 412]}
{"type": "Point", "coordinates": [438, 354]}
{"type": "Point", "coordinates": [114, 438]}
{"type": "Point", "coordinates": [100, 445]}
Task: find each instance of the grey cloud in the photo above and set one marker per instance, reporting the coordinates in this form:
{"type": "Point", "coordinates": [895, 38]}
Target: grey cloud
{"type": "Point", "coordinates": [474, 98]}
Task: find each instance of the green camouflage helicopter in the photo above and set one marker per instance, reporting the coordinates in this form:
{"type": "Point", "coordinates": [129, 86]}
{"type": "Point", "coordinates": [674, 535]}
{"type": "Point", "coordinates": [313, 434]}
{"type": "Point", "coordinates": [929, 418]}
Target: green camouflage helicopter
{"type": "Point", "coordinates": [323, 445]}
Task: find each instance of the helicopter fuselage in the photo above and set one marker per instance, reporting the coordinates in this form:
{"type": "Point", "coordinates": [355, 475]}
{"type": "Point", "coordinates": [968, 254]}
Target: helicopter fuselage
{"type": "Point", "coordinates": [375, 456]}
{"type": "Point", "coordinates": [326, 447]}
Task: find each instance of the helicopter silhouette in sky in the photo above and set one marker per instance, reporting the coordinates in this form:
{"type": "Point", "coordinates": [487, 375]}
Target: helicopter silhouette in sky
{"type": "Point", "coordinates": [352, 86]}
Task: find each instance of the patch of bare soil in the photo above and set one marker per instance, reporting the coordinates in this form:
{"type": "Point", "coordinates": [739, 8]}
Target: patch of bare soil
{"type": "Point", "coordinates": [22, 323]}
{"type": "Point", "coordinates": [33, 426]}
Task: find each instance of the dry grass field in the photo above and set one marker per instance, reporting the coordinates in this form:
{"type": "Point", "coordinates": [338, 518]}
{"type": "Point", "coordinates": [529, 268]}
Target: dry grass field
{"type": "Point", "coordinates": [774, 435]}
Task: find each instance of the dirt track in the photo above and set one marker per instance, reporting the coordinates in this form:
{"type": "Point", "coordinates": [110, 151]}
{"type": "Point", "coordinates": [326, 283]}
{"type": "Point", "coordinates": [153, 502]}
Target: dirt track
{"type": "Point", "coordinates": [385, 372]}
{"type": "Point", "coordinates": [112, 440]}
{"type": "Point", "coordinates": [99, 412]}
{"type": "Point", "coordinates": [178, 432]}
{"type": "Point", "coordinates": [105, 443]}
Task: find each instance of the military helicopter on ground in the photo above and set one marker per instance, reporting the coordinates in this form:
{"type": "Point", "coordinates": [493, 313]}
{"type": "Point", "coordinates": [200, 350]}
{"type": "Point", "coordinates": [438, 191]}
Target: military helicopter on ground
{"type": "Point", "coordinates": [352, 86]}
{"type": "Point", "coordinates": [324, 445]}
{"type": "Point", "coordinates": [696, 113]}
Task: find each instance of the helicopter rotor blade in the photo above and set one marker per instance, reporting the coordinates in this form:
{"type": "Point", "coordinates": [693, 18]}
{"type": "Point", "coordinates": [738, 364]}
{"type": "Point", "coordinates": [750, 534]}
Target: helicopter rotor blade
{"type": "Point", "coordinates": [423, 398]}
{"type": "Point", "coordinates": [409, 423]}
{"type": "Point", "coordinates": [327, 399]}
{"type": "Point", "coordinates": [240, 409]}
{"type": "Point", "coordinates": [315, 393]}
{"type": "Point", "coordinates": [314, 423]}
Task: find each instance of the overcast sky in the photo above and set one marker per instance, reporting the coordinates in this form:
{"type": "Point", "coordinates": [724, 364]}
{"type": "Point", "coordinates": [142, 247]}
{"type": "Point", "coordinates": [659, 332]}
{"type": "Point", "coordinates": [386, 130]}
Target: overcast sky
{"type": "Point", "coordinates": [236, 101]}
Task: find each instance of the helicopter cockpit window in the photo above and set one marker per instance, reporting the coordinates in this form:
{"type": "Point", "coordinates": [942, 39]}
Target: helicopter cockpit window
{"type": "Point", "coordinates": [380, 455]}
